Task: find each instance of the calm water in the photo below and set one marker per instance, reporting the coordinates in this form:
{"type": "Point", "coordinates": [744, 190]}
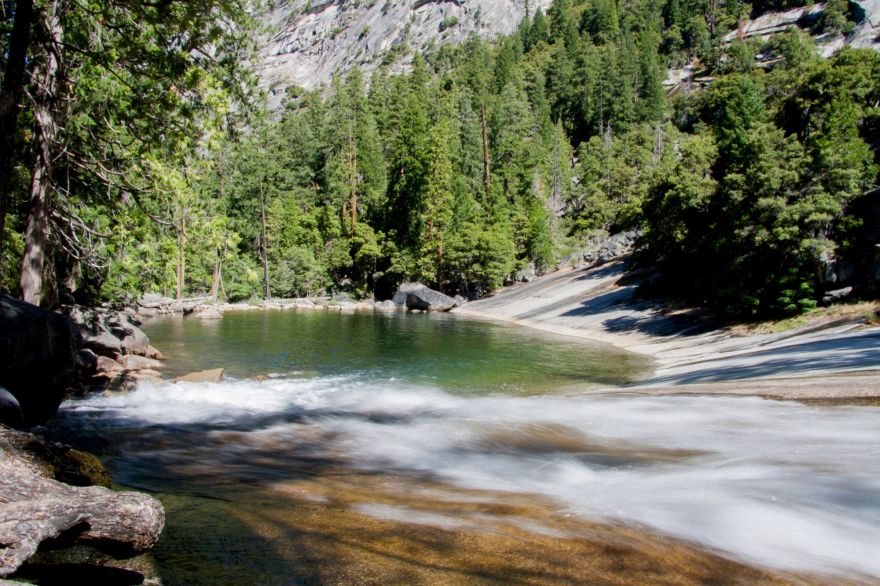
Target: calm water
{"type": "Point", "coordinates": [461, 356]}
{"type": "Point", "coordinates": [480, 407]}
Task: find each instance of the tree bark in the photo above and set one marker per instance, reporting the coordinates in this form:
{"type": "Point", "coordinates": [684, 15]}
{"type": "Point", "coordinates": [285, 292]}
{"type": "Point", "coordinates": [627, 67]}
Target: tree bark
{"type": "Point", "coordinates": [264, 246]}
{"type": "Point", "coordinates": [181, 258]}
{"type": "Point", "coordinates": [352, 179]}
{"type": "Point", "coordinates": [440, 259]}
{"type": "Point", "coordinates": [46, 130]}
{"type": "Point", "coordinates": [485, 129]}
{"type": "Point", "coordinates": [10, 99]}
{"type": "Point", "coordinates": [36, 508]}
{"type": "Point", "coordinates": [215, 284]}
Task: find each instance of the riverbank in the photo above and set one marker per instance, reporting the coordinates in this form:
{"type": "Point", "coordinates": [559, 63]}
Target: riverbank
{"type": "Point", "coordinates": [833, 358]}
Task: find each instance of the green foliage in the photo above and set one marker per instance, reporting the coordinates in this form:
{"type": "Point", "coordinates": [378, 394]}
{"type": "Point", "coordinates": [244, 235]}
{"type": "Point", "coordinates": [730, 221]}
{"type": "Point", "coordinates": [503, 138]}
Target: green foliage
{"type": "Point", "coordinates": [741, 190]}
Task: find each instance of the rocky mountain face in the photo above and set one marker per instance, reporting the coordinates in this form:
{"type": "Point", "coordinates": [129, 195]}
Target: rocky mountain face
{"type": "Point", "coordinates": [311, 41]}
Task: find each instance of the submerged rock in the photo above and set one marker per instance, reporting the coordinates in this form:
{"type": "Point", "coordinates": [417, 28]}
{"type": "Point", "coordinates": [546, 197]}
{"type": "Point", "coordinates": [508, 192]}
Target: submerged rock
{"type": "Point", "coordinates": [418, 296]}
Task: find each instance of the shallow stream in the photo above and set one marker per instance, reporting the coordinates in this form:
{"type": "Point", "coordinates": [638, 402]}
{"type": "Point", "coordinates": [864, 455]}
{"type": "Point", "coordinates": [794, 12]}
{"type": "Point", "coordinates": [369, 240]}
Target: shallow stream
{"type": "Point", "coordinates": [430, 449]}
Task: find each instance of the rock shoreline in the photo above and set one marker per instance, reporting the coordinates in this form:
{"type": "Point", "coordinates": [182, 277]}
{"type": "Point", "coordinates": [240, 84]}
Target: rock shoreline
{"type": "Point", "coordinates": [410, 296]}
{"type": "Point", "coordinates": [690, 355]}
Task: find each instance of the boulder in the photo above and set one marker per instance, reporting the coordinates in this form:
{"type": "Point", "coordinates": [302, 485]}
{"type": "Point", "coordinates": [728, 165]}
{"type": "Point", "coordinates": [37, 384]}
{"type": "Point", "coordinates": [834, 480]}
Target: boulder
{"type": "Point", "coordinates": [110, 333]}
{"type": "Point", "coordinates": [134, 362]}
{"type": "Point", "coordinates": [10, 410]}
{"type": "Point", "coordinates": [209, 313]}
{"type": "Point", "coordinates": [104, 344]}
{"type": "Point", "coordinates": [527, 274]}
{"type": "Point", "coordinates": [214, 375]}
{"type": "Point", "coordinates": [418, 296]}
{"type": "Point", "coordinates": [87, 363]}
{"type": "Point", "coordinates": [386, 305]}
{"type": "Point", "coordinates": [153, 352]}
{"type": "Point", "coordinates": [133, 339]}
{"type": "Point", "coordinates": [37, 508]}
{"type": "Point", "coordinates": [612, 247]}
{"type": "Point", "coordinates": [837, 295]}
{"type": "Point", "coordinates": [107, 365]}
{"type": "Point", "coordinates": [39, 357]}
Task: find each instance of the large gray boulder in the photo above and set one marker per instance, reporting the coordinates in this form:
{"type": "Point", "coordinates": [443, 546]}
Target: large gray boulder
{"type": "Point", "coordinates": [418, 296]}
{"type": "Point", "coordinates": [110, 333]}
{"type": "Point", "coordinates": [38, 357]}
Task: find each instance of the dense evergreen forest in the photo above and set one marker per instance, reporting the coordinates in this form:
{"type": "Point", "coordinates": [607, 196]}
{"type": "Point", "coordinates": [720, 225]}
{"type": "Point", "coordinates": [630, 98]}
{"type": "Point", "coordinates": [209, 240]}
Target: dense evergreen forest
{"type": "Point", "coordinates": [141, 159]}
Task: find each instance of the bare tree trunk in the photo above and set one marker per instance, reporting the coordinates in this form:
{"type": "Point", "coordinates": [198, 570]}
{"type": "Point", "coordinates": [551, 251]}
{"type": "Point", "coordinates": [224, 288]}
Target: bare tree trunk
{"type": "Point", "coordinates": [352, 179]}
{"type": "Point", "coordinates": [485, 128]}
{"type": "Point", "coordinates": [181, 257]}
{"type": "Point", "coordinates": [215, 285]}
{"type": "Point", "coordinates": [264, 245]}
{"type": "Point", "coordinates": [46, 130]}
{"type": "Point", "coordinates": [10, 97]}
{"type": "Point", "coordinates": [440, 259]}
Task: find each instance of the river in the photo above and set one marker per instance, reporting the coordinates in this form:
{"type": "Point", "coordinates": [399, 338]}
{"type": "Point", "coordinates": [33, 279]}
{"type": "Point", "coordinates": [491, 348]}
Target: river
{"type": "Point", "coordinates": [422, 448]}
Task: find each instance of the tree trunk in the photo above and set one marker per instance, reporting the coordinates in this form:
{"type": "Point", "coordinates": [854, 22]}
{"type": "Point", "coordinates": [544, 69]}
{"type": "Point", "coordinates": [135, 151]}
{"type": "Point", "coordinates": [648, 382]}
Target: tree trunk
{"type": "Point", "coordinates": [46, 130]}
{"type": "Point", "coordinates": [215, 285]}
{"type": "Point", "coordinates": [264, 246]}
{"type": "Point", "coordinates": [38, 509]}
{"type": "Point", "coordinates": [181, 257]}
{"type": "Point", "coordinates": [10, 98]}
{"type": "Point", "coordinates": [352, 179]}
{"type": "Point", "coordinates": [440, 259]}
{"type": "Point", "coordinates": [485, 128]}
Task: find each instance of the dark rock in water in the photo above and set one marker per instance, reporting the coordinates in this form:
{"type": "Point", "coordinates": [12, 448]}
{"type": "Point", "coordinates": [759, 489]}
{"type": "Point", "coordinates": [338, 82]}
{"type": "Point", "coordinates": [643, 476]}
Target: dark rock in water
{"type": "Point", "coordinates": [418, 296]}
{"type": "Point", "coordinates": [39, 357]}
{"type": "Point", "coordinates": [10, 410]}
{"type": "Point", "coordinates": [37, 508]}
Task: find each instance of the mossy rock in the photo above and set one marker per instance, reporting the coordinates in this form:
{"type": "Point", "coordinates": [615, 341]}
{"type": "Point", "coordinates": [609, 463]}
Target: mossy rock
{"type": "Point", "coordinates": [80, 469]}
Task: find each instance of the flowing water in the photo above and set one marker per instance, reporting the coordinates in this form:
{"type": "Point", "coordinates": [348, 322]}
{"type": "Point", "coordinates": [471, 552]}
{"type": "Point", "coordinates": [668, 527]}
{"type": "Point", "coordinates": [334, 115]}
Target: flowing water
{"type": "Point", "coordinates": [428, 449]}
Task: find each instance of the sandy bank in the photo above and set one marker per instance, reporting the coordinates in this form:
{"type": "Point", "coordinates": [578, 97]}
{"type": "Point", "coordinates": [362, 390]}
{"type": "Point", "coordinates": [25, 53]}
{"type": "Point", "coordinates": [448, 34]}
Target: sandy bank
{"type": "Point", "coordinates": [829, 360]}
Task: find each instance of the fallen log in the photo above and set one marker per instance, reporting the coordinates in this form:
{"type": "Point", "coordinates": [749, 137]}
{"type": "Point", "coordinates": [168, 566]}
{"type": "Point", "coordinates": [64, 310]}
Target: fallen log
{"type": "Point", "coordinates": [36, 510]}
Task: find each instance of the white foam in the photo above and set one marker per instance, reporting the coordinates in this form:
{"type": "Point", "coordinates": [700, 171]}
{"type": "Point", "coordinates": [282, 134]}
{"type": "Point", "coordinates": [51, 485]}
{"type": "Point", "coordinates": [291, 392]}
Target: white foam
{"type": "Point", "coordinates": [779, 484]}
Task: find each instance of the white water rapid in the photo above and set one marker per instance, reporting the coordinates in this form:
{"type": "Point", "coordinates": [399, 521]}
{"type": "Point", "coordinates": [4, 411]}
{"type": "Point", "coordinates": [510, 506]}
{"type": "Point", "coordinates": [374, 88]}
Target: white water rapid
{"type": "Point", "coordinates": [778, 484]}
